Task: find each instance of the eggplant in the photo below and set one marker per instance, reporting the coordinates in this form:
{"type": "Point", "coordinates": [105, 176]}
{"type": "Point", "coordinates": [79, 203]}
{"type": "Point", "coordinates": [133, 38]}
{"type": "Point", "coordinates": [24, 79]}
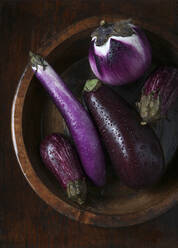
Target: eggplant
{"type": "Point", "coordinates": [119, 52]}
{"type": "Point", "coordinates": [159, 93]}
{"type": "Point", "coordinates": [61, 159]}
{"type": "Point", "coordinates": [134, 150]}
{"type": "Point", "coordinates": [82, 129]}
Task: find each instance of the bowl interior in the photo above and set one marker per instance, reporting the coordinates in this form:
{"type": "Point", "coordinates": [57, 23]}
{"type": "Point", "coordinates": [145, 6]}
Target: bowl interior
{"type": "Point", "coordinates": [40, 118]}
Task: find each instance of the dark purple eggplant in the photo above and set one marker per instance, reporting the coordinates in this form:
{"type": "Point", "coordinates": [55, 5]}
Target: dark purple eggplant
{"type": "Point", "coordinates": [134, 149]}
{"type": "Point", "coordinates": [61, 159]}
{"type": "Point", "coordinates": [78, 121]}
{"type": "Point", "coordinates": [158, 94]}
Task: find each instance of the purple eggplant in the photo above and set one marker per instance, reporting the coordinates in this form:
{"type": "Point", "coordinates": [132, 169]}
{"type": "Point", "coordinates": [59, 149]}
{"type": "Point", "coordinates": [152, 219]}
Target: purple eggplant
{"type": "Point", "coordinates": [61, 159]}
{"type": "Point", "coordinates": [158, 94]}
{"type": "Point", "coordinates": [119, 52]}
{"type": "Point", "coordinates": [134, 149]}
{"type": "Point", "coordinates": [78, 121]}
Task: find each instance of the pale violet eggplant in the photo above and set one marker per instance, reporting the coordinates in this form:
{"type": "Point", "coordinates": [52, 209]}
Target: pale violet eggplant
{"type": "Point", "coordinates": [78, 121]}
{"type": "Point", "coordinates": [119, 52]}
{"type": "Point", "coordinates": [158, 94]}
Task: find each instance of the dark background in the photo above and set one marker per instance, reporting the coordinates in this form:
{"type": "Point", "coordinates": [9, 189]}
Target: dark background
{"type": "Point", "coordinates": [25, 220]}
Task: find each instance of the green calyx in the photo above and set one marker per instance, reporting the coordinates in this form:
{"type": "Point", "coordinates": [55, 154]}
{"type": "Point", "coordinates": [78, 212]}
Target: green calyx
{"type": "Point", "coordinates": [92, 85]}
{"type": "Point", "coordinates": [149, 108]}
{"type": "Point", "coordinates": [36, 60]}
{"type": "Point", "coordinates": [106, 30]}
{"type": "Point", "coordinates": [76, 191]}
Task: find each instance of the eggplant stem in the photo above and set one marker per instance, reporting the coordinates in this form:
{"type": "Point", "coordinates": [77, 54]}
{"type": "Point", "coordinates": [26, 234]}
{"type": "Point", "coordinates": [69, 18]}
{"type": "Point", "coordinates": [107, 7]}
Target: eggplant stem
{"type": "Point", "coordinates": [102, 22]}
{"type": "Point", "coordinates": [143, 123]}
{"type": "Point", "coordinates": [76, 191]}
{"type": "Point", "coordinates": [36, 60]}
{"type": "Point", "coordinates": [92, 85]}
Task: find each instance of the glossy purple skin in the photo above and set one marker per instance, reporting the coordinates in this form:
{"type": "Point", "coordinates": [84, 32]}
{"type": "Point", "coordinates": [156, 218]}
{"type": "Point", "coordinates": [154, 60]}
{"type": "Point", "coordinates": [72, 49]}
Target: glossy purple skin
{"type": "Point", "coordinates": [81, 127]}
{"type": "Point", "coordinates": [123, 64]}
{"type": "Point", "coordinates": [61, 159]}
{"type": "Point", "coordinates": [164, 83]}
{"type": "Point", "coordinates": [134, 150]}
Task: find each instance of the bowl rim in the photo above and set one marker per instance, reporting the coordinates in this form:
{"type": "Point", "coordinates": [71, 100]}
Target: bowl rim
{"type": "Point", "coordinates": [83, 216]}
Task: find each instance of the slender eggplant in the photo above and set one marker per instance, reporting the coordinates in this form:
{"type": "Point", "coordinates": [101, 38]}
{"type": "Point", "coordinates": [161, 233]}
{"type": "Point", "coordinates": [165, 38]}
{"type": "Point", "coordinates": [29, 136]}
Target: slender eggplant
{"type": "Point", "coordinates": [78, 121]}
{"type": "Point", "coordinates": [61, 159]}
{"type": "Point", "coordinates": [134, 149]}
{"type": "Point", "coordinates": [158, 94]}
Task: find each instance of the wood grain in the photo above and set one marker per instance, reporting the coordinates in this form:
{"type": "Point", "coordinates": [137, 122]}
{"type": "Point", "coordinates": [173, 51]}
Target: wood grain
{"type": "Point", "coordinates": [26, 221]}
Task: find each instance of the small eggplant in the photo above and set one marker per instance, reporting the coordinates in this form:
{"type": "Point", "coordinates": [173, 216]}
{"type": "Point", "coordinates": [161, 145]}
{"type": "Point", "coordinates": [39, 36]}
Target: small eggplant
{"type": "Point", "coordinates": [61, 159]}
{"type": "Point", "coordinates": [119, 53]}
{"type": "Point", "coordinates": [158, 94]}
{"type": "Point", "coordinates": [134, 149]}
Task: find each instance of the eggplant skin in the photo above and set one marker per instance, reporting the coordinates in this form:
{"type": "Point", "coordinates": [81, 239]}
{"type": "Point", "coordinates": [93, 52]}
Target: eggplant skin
{"type": "Point", "coordinates": [134, 150]}
{"type": "Point", "coordinates": [61, 159]}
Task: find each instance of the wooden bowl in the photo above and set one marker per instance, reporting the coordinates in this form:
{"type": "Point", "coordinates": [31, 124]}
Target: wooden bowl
{"type": "Point", "coordinates": [34, 116]}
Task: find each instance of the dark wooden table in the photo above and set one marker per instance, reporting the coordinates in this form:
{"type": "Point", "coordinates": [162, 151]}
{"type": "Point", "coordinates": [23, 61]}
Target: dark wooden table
{"type": "Point", "coordinates": [25, 220]}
